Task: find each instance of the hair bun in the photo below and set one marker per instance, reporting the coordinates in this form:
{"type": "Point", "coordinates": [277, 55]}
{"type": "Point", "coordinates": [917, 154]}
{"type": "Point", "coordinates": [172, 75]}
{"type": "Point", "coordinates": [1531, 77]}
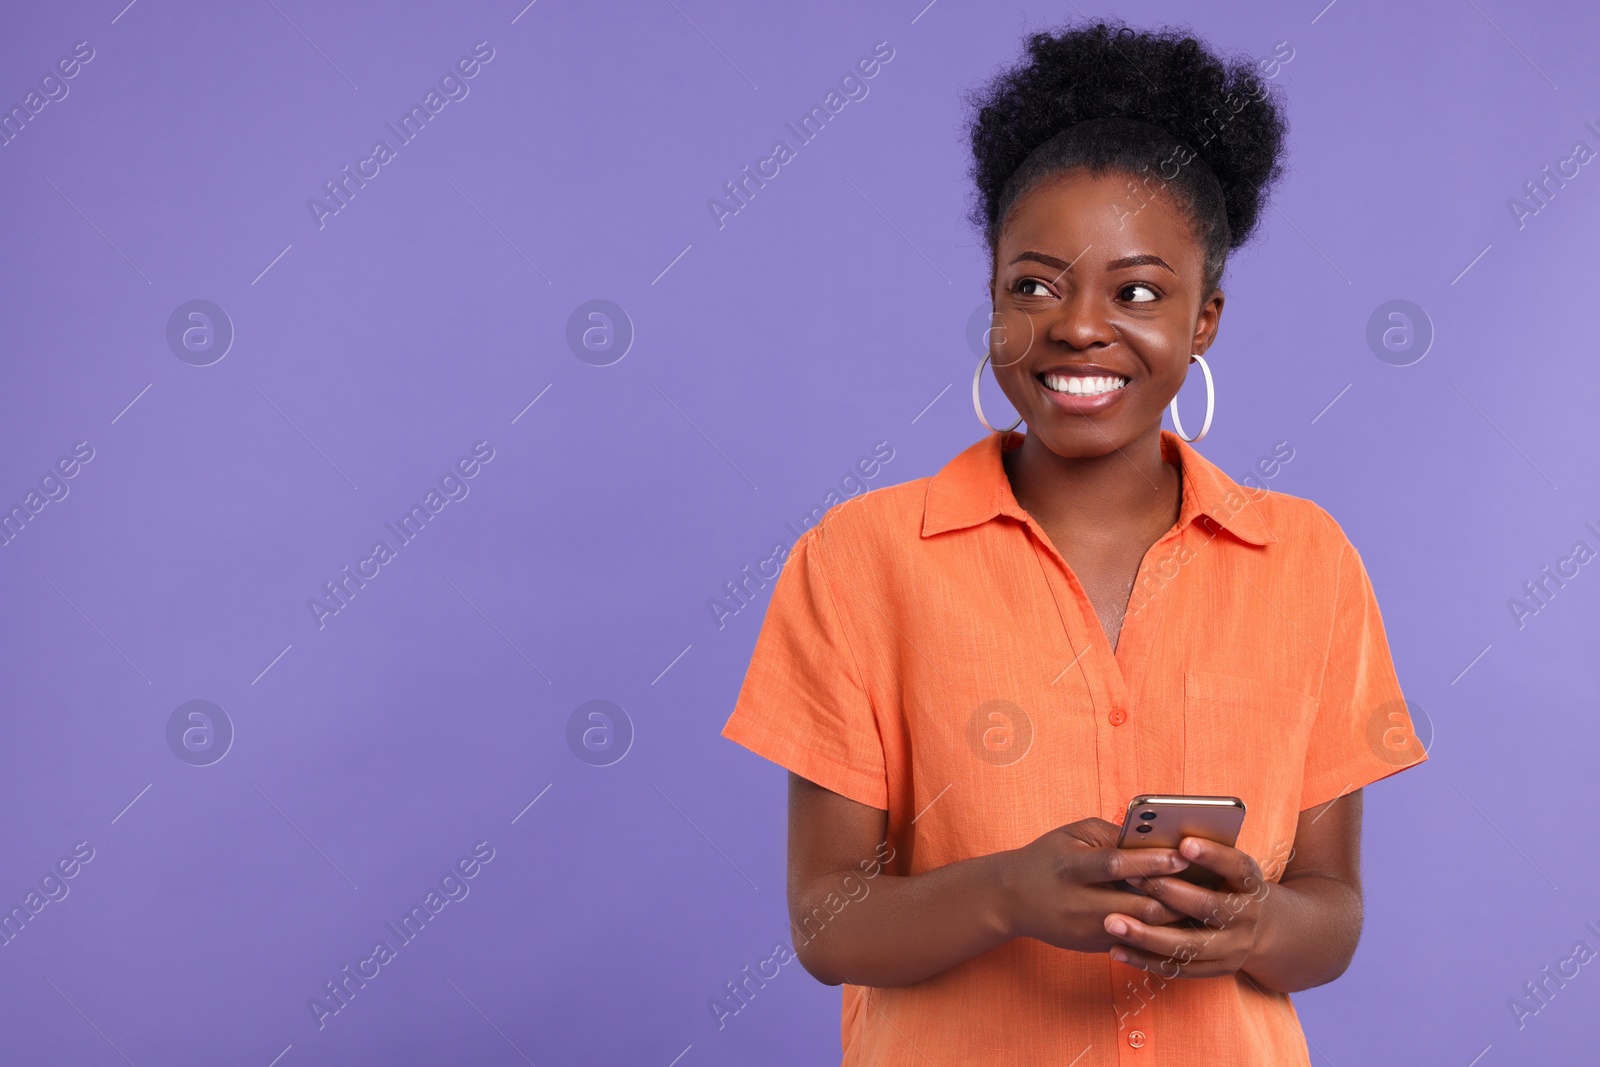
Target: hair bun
{"type": "Point", "coordinates": [1220, 107]}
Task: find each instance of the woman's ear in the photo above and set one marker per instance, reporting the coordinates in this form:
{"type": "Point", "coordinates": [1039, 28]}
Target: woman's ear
{"type": "Point", "coordinates": [1207, 322]}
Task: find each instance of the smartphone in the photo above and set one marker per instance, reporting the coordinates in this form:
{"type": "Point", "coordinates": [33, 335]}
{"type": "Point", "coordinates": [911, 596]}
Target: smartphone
{"type": "Point", "coordinates": [1163, 821]}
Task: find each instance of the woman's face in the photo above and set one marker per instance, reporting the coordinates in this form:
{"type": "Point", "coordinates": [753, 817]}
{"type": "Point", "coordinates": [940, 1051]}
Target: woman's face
{"type": "Point", "coordinates": [1098, 305]}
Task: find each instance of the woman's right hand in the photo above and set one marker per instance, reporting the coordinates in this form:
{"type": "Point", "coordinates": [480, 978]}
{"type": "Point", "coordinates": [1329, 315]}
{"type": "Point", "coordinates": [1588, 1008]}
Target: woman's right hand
{"type": "Point", "coordinates": [1060, 888]}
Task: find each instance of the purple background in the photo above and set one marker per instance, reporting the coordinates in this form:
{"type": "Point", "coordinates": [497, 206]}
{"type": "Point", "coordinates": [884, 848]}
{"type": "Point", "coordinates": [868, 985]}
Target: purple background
{"type": "Point", "coordinates": [830, 313]}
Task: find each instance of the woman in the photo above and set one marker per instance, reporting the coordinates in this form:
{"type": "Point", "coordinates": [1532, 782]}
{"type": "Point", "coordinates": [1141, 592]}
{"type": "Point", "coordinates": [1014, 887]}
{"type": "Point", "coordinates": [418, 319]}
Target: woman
{"type": "Point", "coordinates": [969, 676]}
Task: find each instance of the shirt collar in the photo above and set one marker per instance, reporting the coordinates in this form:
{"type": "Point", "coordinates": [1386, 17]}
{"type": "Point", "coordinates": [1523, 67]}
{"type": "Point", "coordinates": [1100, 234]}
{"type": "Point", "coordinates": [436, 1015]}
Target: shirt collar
{"type": "Point", "coordinates": [973, 488]}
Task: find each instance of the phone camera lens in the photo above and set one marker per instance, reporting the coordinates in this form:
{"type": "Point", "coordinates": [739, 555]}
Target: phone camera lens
{"type": "Point", "coordinates": [1147, 815]}
{"type": "Point", "coordinates": [1142, 828]}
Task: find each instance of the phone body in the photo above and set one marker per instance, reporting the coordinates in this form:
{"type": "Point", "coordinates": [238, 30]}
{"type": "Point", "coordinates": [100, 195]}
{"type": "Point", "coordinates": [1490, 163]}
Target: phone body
{"type": "Point", "coordinates": [1162, 821]}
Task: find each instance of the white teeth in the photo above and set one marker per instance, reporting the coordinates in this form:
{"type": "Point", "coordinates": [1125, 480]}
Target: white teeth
{"type": "Point", "coordinates": [1074, 385]}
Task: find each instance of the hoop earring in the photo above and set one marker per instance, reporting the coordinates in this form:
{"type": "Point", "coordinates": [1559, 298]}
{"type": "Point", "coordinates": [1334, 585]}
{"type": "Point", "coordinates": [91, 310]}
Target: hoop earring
{"type": "Point", "coordinates": [978, 406]}
{"type": "Point", "coordinates": [1211, 402]}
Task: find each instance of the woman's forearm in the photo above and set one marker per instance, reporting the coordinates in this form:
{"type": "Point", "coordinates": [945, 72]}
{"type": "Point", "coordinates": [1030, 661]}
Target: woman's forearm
{"type": "Point", "coordinates": [893, 931]}
{"type": "Point", "coordinates": [1308, 933]}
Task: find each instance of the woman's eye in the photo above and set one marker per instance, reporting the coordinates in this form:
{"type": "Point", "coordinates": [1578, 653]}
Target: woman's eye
{"type": "Point", "coordinates": [1129, 293]}
{"type": "Point", "coordinates": [1032, 287]}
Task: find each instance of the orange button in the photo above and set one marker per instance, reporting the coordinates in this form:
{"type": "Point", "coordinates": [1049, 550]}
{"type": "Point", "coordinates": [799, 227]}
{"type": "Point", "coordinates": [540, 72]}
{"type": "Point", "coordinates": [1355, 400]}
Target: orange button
{"type": "Point", "coordinates": [1136, 1038]}
{"type": "Point", "coordinates": [1117, 717]}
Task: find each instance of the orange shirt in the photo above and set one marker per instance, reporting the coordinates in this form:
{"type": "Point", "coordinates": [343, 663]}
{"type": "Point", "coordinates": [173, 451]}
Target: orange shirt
{"type": "Point", "coordinates": [928, 652]}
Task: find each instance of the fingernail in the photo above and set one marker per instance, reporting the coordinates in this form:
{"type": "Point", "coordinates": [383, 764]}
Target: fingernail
{"type": "Point", "coordinates": [1119, 955]}
{"type": "Point", "coordinates": [1138, 883]}
{"type": "Point", "coordinates": [1191, 848]}
{"type": "Point", "coordinates": [1117, 926]}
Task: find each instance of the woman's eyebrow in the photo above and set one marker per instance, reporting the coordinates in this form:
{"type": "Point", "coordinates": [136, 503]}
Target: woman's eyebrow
{"type": "Point", "coordinates": [1140, 261]}
{"type": "Point", "coordinates": [1146, 260]}
{"type": "Point", "coordinates": [1049, 260]}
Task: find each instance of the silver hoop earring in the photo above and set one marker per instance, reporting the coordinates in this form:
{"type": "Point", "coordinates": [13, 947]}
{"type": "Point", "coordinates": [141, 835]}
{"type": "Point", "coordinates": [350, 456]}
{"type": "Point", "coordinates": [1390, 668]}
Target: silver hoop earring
{"type": "Point", "coordinates": [977, 405]}
{"type": "Point", "coordinates": [1211, 402]}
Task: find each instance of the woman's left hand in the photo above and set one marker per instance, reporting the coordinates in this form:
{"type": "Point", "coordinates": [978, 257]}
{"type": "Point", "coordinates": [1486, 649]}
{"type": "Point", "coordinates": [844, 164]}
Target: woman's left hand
{"type": "Point", "coordinates": [1232, 915]}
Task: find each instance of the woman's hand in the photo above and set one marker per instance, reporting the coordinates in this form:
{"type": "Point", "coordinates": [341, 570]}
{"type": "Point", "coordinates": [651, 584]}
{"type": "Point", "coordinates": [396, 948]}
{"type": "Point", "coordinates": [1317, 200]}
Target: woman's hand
{"type": "Point", "coordinates": [1058, 888]}
{"type": "Point", "coordinates": [1232, 917]}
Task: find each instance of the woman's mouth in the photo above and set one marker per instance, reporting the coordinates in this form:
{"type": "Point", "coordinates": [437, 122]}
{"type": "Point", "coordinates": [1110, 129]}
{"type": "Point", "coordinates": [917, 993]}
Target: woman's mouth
{"type": "Point", "coordinates": [1079, 385]}
{"type": "Point", "coordinates": [1082, 394]}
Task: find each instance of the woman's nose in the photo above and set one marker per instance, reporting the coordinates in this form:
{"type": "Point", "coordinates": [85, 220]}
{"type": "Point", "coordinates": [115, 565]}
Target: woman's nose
{"type": "Point", "coordinates": [1080, 321]}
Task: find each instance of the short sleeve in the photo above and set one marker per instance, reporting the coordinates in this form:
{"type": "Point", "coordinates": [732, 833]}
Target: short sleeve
{"type": "Point", "coordinates": [1363, 730]}
{"type": "Point", "coordinates": [802, 704]}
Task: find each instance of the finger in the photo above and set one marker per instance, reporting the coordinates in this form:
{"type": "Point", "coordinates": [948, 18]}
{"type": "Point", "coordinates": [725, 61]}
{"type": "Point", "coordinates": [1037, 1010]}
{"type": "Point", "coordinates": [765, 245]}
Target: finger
{"type": "Point", "coordinates": [1177, 942]}
{"type": "Point", "coordinates": [1215, 908]}
{"type": "Point", "coordinates": [1110, 864]}
{"type": "Point", "coordinates": [1237, 869]}
{"type": "Point", "coordinates": [1173, 951]}
{"type": "Point", "coordinates": [1183, 897]}
{"type": "Point", "coordinates": [1147, 910]}
{"type": "Point", "coordinates": [1095, 832]}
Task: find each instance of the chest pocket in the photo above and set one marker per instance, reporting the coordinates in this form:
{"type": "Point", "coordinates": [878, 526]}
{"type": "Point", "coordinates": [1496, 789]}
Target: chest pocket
{"type": "Point", "coordinates": [1247, 738]}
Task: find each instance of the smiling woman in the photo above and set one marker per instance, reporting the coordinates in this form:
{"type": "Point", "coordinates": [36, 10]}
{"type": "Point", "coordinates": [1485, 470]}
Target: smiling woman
{"type": "Point", "coordinates": [1010, 929]}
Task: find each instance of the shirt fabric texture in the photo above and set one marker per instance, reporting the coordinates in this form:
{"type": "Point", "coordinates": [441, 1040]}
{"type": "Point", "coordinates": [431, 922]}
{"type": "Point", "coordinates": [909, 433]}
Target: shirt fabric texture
{"type": "Point", "coordinates": [928, 652]}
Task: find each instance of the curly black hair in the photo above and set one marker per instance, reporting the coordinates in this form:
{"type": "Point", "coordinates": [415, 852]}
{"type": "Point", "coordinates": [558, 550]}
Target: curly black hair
{"type": "Point", "coordinates": [1157, 105]}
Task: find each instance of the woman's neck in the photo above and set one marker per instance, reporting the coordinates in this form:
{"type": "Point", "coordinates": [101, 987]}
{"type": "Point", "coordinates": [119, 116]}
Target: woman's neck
{"type": "Point", "coordinates": [1097, 498]}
